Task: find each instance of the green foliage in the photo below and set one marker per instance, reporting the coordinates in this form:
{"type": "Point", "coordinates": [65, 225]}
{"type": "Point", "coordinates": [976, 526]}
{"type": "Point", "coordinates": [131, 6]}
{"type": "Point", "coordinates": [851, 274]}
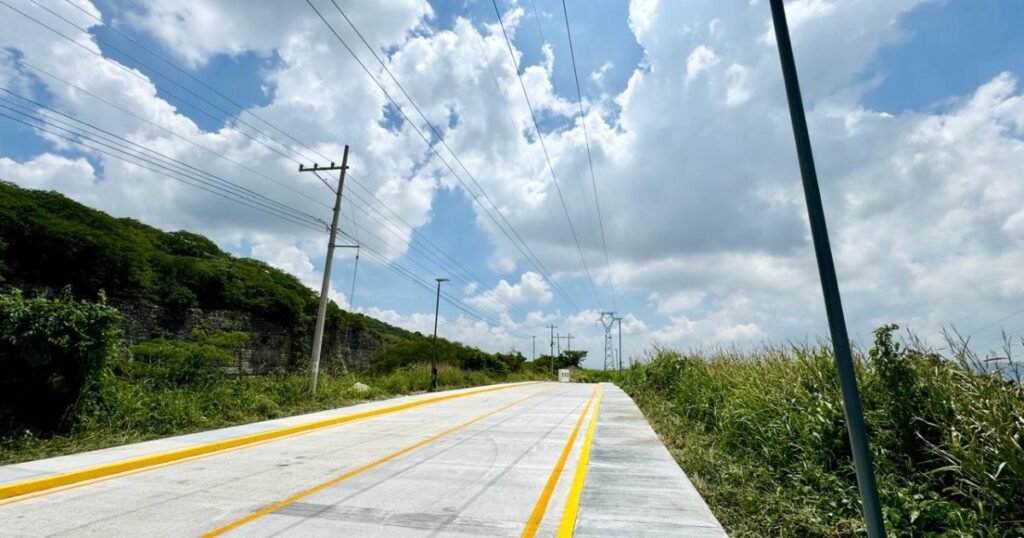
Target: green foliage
{"type": "Point", "coordinates": [763, 437]}
{"type": "Point", "coordinates": [51, 352]}
{"type": "Point", "coordinates": [179, 362]}
{"type": "Point", "coordinates": [565, 359]}
{"type": "Point", "coordinates": [128, 409]}
{"type": "Point", "coordinates": [421, 350]}
{"type": "Point", "coordinates": [51, 242]}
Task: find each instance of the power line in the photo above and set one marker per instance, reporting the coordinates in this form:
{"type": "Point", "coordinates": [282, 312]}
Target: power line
{"type": "Point", "coordinates": [437, 260]}
{"type": "Point", "coordinates": [515, 129]}
{"type": "Point", "coordinates": [178, 176]}
{"type": "Point", "coordinates": [531, 256]}
{"type": "Point", "coordinates": [590, 158]}
{"type": "Point", "coordinates": [178, 167]}
{"type": "Point", "coordinates": [143, 119]}
{"type": "Point", "coordinates": [441, 138]}
{"type": "Point", "coordinates": [144, 78]}
{"type": "Point", "coordinates": [547, 156]}
{"type": "Point", "coordinates": [404, 272]}
{"type": "Point", "coordinates": [163, 169]}
{"type": "Point", "coordinates": [212, 152]}
{"type": "Point", "coordinates": [185, 72]}
{"type": "Point", "coordinates": [176, 163]}
{"type": "Point", "coordinates": [438, 256]}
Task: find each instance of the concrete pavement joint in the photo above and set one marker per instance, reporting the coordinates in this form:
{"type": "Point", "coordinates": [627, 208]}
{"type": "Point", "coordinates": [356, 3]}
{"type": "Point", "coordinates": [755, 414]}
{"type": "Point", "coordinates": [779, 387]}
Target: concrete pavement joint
{"type": "Point", "coordinates": [327, 508]}
{"type": "Point", "coordinates": [364, 468]}
{"type": "Point", "coordinates": [19, 489]}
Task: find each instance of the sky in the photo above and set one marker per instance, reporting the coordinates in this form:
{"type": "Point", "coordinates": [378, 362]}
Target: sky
{"type": "Point", "coordinates": [915, 108]}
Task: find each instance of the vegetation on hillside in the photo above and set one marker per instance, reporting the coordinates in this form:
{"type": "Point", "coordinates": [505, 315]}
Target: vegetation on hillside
{"type": "Point", "coordinates": [763, 437]}
{"type": "Point", "coordinates": [50, 242]}
{"type": "Point", "coordinates": [70, 384]}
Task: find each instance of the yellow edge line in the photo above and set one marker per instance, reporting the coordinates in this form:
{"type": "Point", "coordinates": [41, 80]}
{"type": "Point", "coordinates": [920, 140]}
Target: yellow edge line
{"type": "Point", "coordinates": [537, 515]}
{"type": "Point", "coordinates": [84, 483]}
{"type": "Point", "coordinates": [53, 481]}
{"type": "Point", "coordinates": [572, 504]}
{"type": "Point", "coordinates": [324, 485]}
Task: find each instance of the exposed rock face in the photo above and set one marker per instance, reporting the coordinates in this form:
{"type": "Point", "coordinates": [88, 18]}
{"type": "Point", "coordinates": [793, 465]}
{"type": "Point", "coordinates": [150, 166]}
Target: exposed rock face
{"type": "Point", "coordinates": [275, 348]}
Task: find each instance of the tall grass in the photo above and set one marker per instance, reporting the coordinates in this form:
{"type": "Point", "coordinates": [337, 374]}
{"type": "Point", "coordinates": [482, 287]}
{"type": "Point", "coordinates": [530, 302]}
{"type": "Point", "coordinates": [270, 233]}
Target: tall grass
{"type": "Point", "coordinates": [762, 435]}
{"type": "Point", "coordinates": [126, 409]}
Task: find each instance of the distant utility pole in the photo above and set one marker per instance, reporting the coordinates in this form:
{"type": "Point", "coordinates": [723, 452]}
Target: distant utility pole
{"type": "Point", "coordinates": [321, 312]}
{"type": "Point", "coordinates": [568, 342]}
{"type": "Point", "coordinates": [552, 327]}
{"type": "Point", "coordinates": [351, 296]}
{"type": "Point", "coordinates": [607, 319]}
{"type": "Point", "coordinates": [619, 321]}
{"type": "Point", "coordinates": [874, 523]}
{"type": "Point", "coordinates": [437, 309]}
{"type": "Point", "coordinates": [534, 348]}
{"type": "Point", "coordinates": [558, 343]}
{"type": "Point", "coordinates": [355, 270]}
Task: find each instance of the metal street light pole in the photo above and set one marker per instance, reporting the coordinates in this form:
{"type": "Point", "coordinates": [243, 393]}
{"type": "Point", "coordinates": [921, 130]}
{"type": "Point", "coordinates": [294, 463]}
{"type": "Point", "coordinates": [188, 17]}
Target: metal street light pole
{"type": "Point", "coordinates": [829, 283]}
{"type": "Point", "coordinates": [437, 309]}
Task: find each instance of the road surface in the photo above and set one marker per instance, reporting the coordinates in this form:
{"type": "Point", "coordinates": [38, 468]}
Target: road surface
{"type": "Point", "coordinates": [509, 460]}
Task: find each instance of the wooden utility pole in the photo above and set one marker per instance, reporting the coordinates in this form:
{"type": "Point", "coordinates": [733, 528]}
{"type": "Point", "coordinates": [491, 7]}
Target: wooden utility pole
{"type": "Point", "coordinates": [321, 312]}
{"type": "Point", "coordinates": [568, 342]}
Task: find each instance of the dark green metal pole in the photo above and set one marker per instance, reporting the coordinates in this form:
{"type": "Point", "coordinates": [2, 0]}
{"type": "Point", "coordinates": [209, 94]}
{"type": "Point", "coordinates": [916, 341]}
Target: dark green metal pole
{"type": "Point", "coordinates": [433, 362]}
{"type": "Point", "coordinates": [829, 283]}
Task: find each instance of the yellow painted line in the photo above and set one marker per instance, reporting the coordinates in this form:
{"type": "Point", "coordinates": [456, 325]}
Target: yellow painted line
{"type": "Point", "coordinates": [84, 483]}
{"type": "Point", "coordinates": [80, 475]}
{"type": "Point", "coordinates": [572, 505]}
{"type": "Point", "coordinates": [359, 470]}
{"type": "Point", "coordinates": [541, 506]}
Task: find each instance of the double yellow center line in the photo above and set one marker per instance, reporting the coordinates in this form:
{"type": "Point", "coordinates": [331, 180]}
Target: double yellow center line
{"type": "Point", "coordinates": [572, 505]}
{"type": "Point", "coordinates": [17, 491]}
{"type": "Point", "coordinates": [359, 470]}
{"type": "Point", "coordinates": [536, 516]}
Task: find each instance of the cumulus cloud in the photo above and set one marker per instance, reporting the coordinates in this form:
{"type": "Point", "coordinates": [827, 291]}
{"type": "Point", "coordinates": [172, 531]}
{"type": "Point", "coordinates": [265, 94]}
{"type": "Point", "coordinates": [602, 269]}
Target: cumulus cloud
{"type": "Point", "coordinates": [694, 162]}
{"type": "Point", "coordinates": [531, 288]}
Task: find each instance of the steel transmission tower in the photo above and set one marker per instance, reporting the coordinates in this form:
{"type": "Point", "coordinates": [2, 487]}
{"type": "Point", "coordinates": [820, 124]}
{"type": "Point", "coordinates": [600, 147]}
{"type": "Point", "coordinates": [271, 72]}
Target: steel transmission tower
{"type": "Point", "coordinates": [608, 321]}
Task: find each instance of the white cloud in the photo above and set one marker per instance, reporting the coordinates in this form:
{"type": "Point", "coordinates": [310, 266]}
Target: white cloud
{"type": "Point", "coordinates": [700, 60]}
{"type": "Point", "coordinates": [71, 176]}
{"type": "Point", "coordinates": [694, 162]}
{"type": "Point", "coordinates": [531, 288]}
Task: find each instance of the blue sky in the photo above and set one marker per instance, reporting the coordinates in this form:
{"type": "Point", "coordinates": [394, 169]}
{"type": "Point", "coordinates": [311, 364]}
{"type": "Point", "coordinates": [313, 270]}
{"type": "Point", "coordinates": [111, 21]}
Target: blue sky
{"type": "Point", "coordinates": [691, 150]}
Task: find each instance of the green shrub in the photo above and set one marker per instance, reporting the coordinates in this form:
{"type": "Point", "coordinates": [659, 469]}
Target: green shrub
{"type": "Point", "coordinates": [179, 362]}
{"type": "Point", "coordinates": [51, 352]}
{"type": "Point", "coordinates": [763, 437]}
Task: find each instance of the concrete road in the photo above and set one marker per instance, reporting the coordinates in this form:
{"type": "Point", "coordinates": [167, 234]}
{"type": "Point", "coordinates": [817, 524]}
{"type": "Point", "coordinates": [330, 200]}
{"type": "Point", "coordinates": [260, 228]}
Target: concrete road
{"type": "Point", "coordinates": [542, 459]}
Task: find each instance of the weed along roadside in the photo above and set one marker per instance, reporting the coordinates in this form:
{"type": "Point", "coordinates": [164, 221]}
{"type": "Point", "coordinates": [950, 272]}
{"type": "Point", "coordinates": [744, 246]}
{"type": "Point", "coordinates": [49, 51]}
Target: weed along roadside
{"type": "Point", "coordinates": [762, 436]}
{"type": "Point", "coordinates": [113, 394]}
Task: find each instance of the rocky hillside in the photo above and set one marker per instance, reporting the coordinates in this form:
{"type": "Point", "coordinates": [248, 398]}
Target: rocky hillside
{"type": "Point", "coordinates": [166, 284]}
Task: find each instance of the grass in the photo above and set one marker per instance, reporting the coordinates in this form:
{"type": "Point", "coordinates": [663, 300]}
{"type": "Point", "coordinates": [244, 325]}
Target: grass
{"type": "Point", "coordinates": [762, 435]}
{"type": "Point", "coordinates": [127, 410]}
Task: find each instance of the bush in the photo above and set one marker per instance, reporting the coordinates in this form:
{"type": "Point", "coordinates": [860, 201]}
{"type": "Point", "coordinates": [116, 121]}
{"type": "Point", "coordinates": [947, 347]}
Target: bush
{"type": "Point", "coordinates": [422, 350]}
{"type": "Point", "coordinates": [763, 437]}
{"type": "Point", "coordinates": [179, 362]}
{"type": "Point", "coordinates": [51, 352]}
